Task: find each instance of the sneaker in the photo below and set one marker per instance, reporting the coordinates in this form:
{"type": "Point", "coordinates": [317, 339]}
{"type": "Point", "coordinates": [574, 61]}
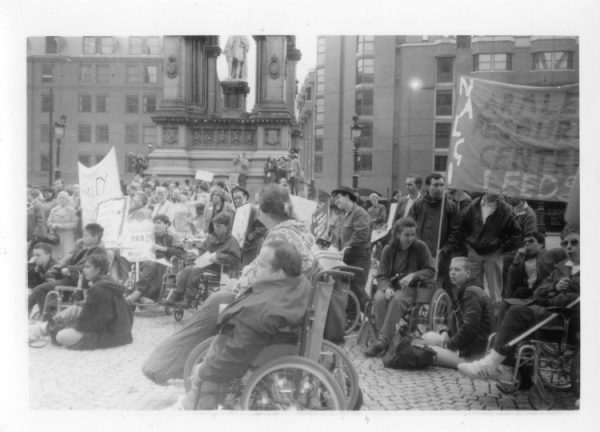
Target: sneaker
{"type": "Point", "coordinates": [482, 369]}
{"type": "Point", "coordinates": [376, 349]}
{"type": "Point", "coordinates": [37, 332]}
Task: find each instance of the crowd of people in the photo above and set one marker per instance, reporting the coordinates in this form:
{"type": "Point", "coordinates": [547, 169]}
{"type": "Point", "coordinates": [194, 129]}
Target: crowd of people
{"type": "Point", "coordinates": [482, 248]}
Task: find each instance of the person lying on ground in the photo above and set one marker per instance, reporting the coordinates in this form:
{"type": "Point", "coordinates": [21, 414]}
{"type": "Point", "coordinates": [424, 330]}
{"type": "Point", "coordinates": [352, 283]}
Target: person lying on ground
{"type": "Point", "coordinates": [474, 315]}
{"type": "Point", "coordinates": [104, 320]}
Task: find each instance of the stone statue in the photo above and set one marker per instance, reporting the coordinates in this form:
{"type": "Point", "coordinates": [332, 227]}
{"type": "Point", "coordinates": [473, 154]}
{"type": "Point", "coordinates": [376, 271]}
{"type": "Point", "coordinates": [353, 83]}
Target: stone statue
{"type": "Point", "coordinates": [235, 52]}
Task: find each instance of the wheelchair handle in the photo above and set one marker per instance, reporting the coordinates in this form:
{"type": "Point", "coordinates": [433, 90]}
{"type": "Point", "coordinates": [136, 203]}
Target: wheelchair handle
{"type": "Point", "coordinates": [334, 273]}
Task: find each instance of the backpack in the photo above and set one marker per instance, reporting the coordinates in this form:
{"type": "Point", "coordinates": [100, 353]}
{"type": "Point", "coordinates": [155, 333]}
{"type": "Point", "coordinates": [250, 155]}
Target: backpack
{"type": "Point", "coordinates": [406, 353]}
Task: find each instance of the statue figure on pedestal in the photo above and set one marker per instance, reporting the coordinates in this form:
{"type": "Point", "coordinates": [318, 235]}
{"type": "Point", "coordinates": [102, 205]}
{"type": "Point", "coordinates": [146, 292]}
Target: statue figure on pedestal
{"type": "Point", "coordinates": [235, 52]}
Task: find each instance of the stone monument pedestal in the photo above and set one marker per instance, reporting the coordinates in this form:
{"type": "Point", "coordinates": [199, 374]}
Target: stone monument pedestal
{"type": "Point", "coordinates": [234, 95]}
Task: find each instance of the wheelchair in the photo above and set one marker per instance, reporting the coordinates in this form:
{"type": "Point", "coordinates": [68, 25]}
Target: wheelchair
{"type": "Point", "coordinates": [63, 296]}
{"type": "Point", "coordinates": [550, 352]}
{"type": "Point", "coordinates": [299, 370]}
{"type": "Point", "coordinates": [431, 310]}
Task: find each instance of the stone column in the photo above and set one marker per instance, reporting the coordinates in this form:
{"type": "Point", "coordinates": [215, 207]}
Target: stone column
{"type": "Point", "coordinates": [271, 54]}
{"type": "Point", "coordinates": [234, 95]}
{"type": "Point", "coordinates": [293, 56]}
{"type": "Point", "coordinates": [214, 102]}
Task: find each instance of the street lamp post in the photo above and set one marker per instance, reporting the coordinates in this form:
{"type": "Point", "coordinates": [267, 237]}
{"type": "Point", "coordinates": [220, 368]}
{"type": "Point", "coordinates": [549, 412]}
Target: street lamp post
{"type": "Point", "coordinates": [59, 133]}
{"type": "Point", "coordinates": [51, 139]}
{"type": "Point", "coordinates": [355, 131]}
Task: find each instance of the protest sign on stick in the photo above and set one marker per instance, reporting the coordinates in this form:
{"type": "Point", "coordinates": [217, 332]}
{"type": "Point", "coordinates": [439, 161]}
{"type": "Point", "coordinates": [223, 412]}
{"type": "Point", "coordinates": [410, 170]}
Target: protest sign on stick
{"type": "Point", "coordinates": [304, 209]}
{"type": "Point", "coordinates": [381, 233]}
{"type": "Point", "coordinates": [319, 221]}
{"type": "Point", "coordinates": [520, 141]}
{"type": "Point", "coordinates": [239, 228]}
{"type": "Point", "coordinates": [137, 240]}
{"type": "Point", "coordinates": [206, 176]}
{"type": "Point", "coordinates": [111, 215]}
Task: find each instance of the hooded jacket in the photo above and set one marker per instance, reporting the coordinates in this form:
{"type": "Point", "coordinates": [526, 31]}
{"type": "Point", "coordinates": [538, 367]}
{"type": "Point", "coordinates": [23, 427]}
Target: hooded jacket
{"type": "Point", "coordinates": [475, 315]}
{"type": "Point", "coordinates": [105, 317]}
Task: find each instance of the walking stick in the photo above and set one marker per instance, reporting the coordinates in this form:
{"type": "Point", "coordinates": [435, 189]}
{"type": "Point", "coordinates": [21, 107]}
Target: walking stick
{"type": "Point", "coordinates": [539, 325]}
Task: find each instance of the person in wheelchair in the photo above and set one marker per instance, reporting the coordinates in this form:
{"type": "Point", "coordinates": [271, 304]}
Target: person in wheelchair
{"type": "Point", "coordinates": [278, 299]}
{"type": "Point", "coordinates": [560, 289]}
{"type": "Point", "coordinates": [66, 272]}
{"type": "Point", "coordinates": [40, 263]}
{"type": "Point", "coordinates": [218, 249]}
{"type": "Point", "coordinates": [103, 320]}
{"type": "Point", "coordinates": [166, 245]}
{"type": "Point", "coordinates": [474, 315]}
{"type": "Point", "coordinates": [405, 262]}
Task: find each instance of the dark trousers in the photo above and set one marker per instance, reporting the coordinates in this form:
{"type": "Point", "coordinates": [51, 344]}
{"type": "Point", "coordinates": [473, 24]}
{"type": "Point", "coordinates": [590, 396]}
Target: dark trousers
{"type": "Point", "coordinates": [359, 257]}
{"type": "Point", "coordinates": [150, 279]}
{"type": "Point", "coordinates": [168, 359]}
{"type": "Point", "coordinates": [517, 320]}
{"type": "Point", "coordinates": [38, 294]}
{"type": "Point", "coordinates": [389, 312]}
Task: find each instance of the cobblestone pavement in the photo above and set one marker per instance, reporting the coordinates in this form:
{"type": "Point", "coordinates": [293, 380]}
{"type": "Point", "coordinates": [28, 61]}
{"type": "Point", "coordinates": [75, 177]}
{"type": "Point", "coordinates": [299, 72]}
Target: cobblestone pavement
{"type": "Point", "coordinates": [112, 379]}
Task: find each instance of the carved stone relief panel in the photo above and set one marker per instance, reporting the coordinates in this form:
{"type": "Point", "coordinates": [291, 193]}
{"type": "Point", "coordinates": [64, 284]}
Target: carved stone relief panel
{"type": "Point", "coordinates": [208, 139]}
{"type": "Point", "coordinates": [272, 137]}
{"type": "Point", "coordinates": [236, 137]}
{"type": "Point", "coordinates": [221, 137]}
{"type": "Point", "coordinates": [170, 136]}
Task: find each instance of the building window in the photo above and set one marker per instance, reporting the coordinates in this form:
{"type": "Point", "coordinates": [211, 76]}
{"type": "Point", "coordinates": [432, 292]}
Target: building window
{"type": "Point", "coordinates": [131, 134]}
{"type": "Point", "coordinates": [85, 103]}
{"type": "Point", "coordinates": [440, 162]}
{"type": "Point", "coordinates": [106, 45]}
{"type": "Point", "coordinates": [84, 133]}
{"type": "Point", "coordinates": [320, 81]}
{"type": "Point", "coordinates": [85, 73]}
{"type": "Point", "coordinates": [149, 104]}
{"type": "Point", "coordinates": [320, 50]}
{"type": "Point", "coordinates": [136, 45]}
{"type": "Point", "coordinates": [153, 45]}
{"type": "Point", "coordinates": [89, 45]}
{"type": "Point", "coordinates": [85, 159]}
{"type": "Point", "coordinates": [319, 139]}
{"type": "Point", "coordinates": [144, 45]}
{"type": "Point", "coordinates": [365, 44]}
{"type": "Point", "coordinates": [443, 102]}
{"type": "Point", "coordinates": [445, 69]}
{"type": "Point", "coordinates": [102, 73]}
{"type": "Point", "coordinates": [44, 162]}
{"type": "Point", "coordinates": [44, 133]}
{"type": "Point", "coordinates": [149, 137]}
{"type": "Point", "coordinates": [101, 103]}
{"type": "Point", "coordinates": [366, 135]}
{"type": "Point", "coordinates": [46, 103]}
{"type": "Point", "coordinates": [365, 69]}
{"type": "Point", "coordinates": [101, 133]}
{"type": "Point", "coordinates": [308, 93]}
{"type": "Point", "coordinates": [51, 45]}
{"type": "Point", "coordinates": [132, 74]}
{"type": "Point", "coordinates": [492, 62]}
{"type": "Point", "coordinates": [150, 74]}
{"type": "Point", "coordinates": [366, 162]}
{"type": "Point", "coordinates": [318, 164]}
{"type": "Point", "coordinates": [320, 110]}
{"type": "Point", "coordinates": [553, 60]}
{"type": "Point", "coordinates": [442, 135]}
{"type": "Point", "coordinates": [47, 72]}
{"type": "Point", "coordinates": [131, 104]}
{"type": "Point", "coordinates": [364, 102]}
{"type": "Point", "coordinates": [98, 45]}
{"type": "Point", "coordinates": [129, 163]}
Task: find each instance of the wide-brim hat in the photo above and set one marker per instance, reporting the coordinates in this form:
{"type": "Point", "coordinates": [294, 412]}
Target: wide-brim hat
{"type": "Point", "coordinates": [346, 191]}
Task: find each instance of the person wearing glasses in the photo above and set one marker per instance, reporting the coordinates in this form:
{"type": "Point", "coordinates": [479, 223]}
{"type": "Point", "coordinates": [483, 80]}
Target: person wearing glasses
{"type": "Point", "coordinates": [531, 265]}
{"type": "Point", "coordinates": [559, 289]}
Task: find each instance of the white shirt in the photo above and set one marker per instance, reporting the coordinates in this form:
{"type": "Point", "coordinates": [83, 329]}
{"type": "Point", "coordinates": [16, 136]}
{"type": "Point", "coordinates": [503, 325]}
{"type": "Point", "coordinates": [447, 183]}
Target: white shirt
{"type": "Point", "coordinates": [409, 203]}
{"type": "Point", "coordinates": [487, 208]}
{"type": "Point", "coordinates": [574, 267]}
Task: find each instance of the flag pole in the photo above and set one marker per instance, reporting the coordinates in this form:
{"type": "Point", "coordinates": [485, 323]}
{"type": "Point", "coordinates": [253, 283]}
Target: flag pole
{"type": "Point", "coordinates": [439, 237]}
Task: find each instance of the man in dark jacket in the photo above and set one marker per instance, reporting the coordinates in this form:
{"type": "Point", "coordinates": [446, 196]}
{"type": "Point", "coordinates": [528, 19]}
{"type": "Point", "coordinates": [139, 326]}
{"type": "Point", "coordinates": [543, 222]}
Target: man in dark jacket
{"type": "Point", "coordinates": [40, 263]}
{"type": "Point", "coordinates": [474, 319]}
{"type": "Point", "coordinates": [489, 229]}
{"type": "Point", "coordinates": [67, 271]}
{"type": "Point", "coordinates": [256, 230]}
{"type": "Point", "coordinates": [104, 320]}
{"type": "Point", "coordinates": [561, 288]}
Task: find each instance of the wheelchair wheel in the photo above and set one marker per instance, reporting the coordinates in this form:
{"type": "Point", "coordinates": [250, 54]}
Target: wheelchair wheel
{"type": "Point", "coordinates": [178, 314]}
{"type": "Point", "coordinates": [337, 362]}
{"type": "Point", "coordinates": [292, 383]}
{"type": "Point", "coordinates": [195, 357]}
{"type": "Point", "coordinates": [366, 335]}
{"type": "Point", "coordinates": [440, 311]}
{"type": "Point", "coordinates": [554, 368]}
{"type": "Point", "coordinates": [352, 313]}
{"type": "Point", "coordinates": [539, 398]}
{"type": "Point", "coordinates": [576, 374]}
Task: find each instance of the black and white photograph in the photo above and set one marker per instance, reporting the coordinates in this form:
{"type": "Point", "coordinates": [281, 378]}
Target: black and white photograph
{"type": "Point", "coordinates": [241, 209]}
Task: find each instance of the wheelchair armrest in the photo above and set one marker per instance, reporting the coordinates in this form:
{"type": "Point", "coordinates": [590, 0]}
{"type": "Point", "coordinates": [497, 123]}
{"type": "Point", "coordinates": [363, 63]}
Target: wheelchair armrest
{"type": "Point", "coordinates": [564, 311]}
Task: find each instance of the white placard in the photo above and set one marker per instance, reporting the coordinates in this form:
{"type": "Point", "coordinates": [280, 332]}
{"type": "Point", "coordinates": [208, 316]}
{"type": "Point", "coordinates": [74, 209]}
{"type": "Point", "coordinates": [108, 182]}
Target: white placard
{"type": "Point", "coordinates": [98, 183]}
{"type": "Point", "coordinates": [207, 176]}
{"type": "Point", "coordinates": [239, 229]}
{"type": "Point", "coordinates": [380, 233]}
{"type": "Point", "coordinates": [137, 240]}
{"type": "Point", "coordinates": [304, 209]}
{"type": "Point", "coordinates": [111, 215]}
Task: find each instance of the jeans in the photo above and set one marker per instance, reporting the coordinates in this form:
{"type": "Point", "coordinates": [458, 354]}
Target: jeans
{"type": "Point", "coordinates": [488, 266]}
{"type": "Point", "coordinates": [389, 312]}
{"type": "Point", "coordinates": [69, 336]}
{"type": "Point", "coordinates": [517, 320]}
{"type": "Point", "coordinates": [359, 257]}
{"type": "Point", "coordinates": [168, 359]}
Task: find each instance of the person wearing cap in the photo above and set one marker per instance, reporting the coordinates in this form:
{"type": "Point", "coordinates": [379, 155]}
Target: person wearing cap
{"type": "Point", "coordinates": [256, 230]}
{"type": "Point", "coordinates": [353, 238]}
{"type": "Point", "coordinates": [166, 245]}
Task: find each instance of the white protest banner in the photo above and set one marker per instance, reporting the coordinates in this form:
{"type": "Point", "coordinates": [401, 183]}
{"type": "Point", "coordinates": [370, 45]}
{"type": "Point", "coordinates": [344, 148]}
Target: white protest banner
{"type": "Point", "coordinates": [379, 234]}
{"type": "Point", "coordinates": [206, 176]}
{"type": "Point", "coordinates": [98, 183]}
{"type": "Point", "coordinates": [111, 215]}
{"type": "Point", "coordinates": [137, 240]}
{"type": "Point", "coordinates": [241, 220]}
{"type": "Point", "coordinates": [304, 209]}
